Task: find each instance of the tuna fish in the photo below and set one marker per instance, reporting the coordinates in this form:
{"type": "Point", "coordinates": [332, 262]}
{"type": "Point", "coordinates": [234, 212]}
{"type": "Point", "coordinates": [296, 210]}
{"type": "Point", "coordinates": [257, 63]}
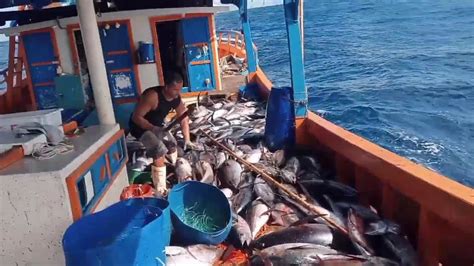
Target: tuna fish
{"type": "Point", "coordinates": [192, 255]}
{"type": "Point", "coordinates": [241, 231]}
{"type": "Point", "coordinates": [264, 191]}
{"type": "Point", "coordinates": [355, 227]}
{"type": "Point", "coordinates": [309, 233]}
{"type": "Point", "coordinates": [230, 174]}
{"type": "Point", "coordinates": [257, 216]}
{"type": "Point", "coordinates": [284, 215]}
{"type": "Point", "coordinates": [204, 172]}
{"type": "Point", "coordinates": [183, 170]}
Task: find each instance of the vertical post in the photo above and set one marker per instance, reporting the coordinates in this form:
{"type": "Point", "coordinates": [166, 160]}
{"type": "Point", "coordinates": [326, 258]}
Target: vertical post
{"type": "Point", "coordinates": [300, 95]}
{"type": "Point", "coordinates": [251, 55]}
{"type": "Point", "coordinates": [95, 61]}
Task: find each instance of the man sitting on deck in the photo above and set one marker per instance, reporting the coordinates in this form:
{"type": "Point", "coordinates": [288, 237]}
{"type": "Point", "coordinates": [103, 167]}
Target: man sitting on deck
{"type": "Point", "coordinates": [146, 124]}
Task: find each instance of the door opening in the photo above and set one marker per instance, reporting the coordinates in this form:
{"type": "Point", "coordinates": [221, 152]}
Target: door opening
{"type": "Point", "coordinates": [171, 47]}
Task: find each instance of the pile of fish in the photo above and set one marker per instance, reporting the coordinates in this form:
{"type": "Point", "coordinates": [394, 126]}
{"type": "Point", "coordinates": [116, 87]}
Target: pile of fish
{"type": "Point", "coordinates": [270, 226]}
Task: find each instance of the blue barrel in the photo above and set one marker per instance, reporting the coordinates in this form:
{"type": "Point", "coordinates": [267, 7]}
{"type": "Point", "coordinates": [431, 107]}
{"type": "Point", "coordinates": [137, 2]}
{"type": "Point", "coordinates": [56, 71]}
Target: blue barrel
{"type": "Point", "coordinates": [146, 53]}
{"type": "Point", "coordinates": [200, 213]}
{"type": "Point", "coordinates": [130, 232]}
{"type": "Point", "coordinates": [280, 119]}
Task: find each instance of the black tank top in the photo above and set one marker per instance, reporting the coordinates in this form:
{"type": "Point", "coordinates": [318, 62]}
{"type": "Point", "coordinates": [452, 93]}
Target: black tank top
{"type": "Point", "coordinates": [155, 117]}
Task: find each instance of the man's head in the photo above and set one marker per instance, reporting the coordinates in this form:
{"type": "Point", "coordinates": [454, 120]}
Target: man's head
{"type": "Point", "coordinates": [174, 84]}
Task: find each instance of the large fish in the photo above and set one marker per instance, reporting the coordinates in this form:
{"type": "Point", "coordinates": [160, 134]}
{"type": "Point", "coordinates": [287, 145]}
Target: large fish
{"type": "Point", "coordinates": [241, 232]}
{"type": "Point", "coordinates": [192, 255]}
{"type": "Point", "coordinates": [257, 216]}
{"type": "Point", "coordinates": [220, 159]}
{"type": "Point", "coordinates": [230, 174]}
{"type": "Point", "coordinates": [308, 233]}
{"type": "Point", "coordinates": [355, 228]}
{"type": "Point", "coordinates": [264, 191]}
{"type": "Point", "coordinates": [382, 227]}
{"type": "Point", "coordinates": [293, 254]}
{"type": "Point", "coordinates": [204, 172]}
{"type": "Point", "coordinates": [336, 190]}
{"type": "Point", "coordinates": [401, 249]}
{"type": "Point", "coordinates": [253, 156]}
{"type": "Point", "coordinates": [242, 198]}
{"type": "Point", "coordinates": [289, 172]}
{"type": "Point", "coordinates": [284, 215]}
{"type": "Point", "coordinates": [183, 170]}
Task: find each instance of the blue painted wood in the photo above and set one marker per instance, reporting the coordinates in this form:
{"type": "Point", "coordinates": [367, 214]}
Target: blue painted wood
{"type": "Point", "coordinates": [119, 149]}
{"type": "Point", "coordinates": [71, 95]}
{"type": "Point", "coordinates": [114, 40]}
{"type": "Point", "coordinates": [39, 49]}
{"type": "Point", "coordinates": [197, 47]}
{"type": "Point", "coordinates": [251, 54]}
{"type": "Point", "coordinates": [96, 170]}
{"type": "Point", "coordinates": [300, 94]}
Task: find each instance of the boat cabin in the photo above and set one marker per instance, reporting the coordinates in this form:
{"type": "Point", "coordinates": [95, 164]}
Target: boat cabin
{"type": "Point", "coordinates": [49, 81]}
{"type": "Point", "coordinates": [139, 48]}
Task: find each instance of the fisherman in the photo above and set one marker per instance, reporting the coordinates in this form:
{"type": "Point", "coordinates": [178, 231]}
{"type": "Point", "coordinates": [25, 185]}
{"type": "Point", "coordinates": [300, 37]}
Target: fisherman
{"type": "Point", "coordinates": [147, 121]}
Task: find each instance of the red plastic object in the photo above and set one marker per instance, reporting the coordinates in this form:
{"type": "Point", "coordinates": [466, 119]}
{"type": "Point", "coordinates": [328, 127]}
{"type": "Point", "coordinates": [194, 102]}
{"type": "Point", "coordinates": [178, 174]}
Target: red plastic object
{"type": "Point", "coordinates": [137, 191]}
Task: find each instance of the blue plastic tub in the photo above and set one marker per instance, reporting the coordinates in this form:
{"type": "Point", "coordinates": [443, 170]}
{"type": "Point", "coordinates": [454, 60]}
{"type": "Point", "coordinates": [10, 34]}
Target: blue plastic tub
{"type": "Point", "coordinates": [131, 232]}
{"type": "Point", "coordinates": [280, 119]}
{"type": "Point", "coordinates": [195, 199]}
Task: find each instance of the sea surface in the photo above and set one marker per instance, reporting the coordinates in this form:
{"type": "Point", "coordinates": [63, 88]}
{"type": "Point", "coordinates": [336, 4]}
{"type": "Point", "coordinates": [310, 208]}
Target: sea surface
{"type": "Point", "coordinates": [399, 73]}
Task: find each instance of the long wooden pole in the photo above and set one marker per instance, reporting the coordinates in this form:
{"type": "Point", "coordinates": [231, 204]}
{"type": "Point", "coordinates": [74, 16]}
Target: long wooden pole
{"type": "Point", "coordinates": [277, 184]}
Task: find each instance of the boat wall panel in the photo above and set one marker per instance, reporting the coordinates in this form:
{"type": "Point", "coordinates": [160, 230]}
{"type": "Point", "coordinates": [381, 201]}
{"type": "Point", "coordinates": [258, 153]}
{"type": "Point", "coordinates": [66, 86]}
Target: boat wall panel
{"type": "Point", "coordinates": [64, 50]}
{"type": "Point", "coordinates": [148, 75]}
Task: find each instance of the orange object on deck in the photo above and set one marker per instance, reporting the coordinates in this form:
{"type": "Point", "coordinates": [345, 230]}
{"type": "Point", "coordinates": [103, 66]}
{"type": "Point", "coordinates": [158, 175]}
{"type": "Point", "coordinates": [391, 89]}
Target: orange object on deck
{"type": "Point", "coordinates": [236, 257]}
{"type": "Point", "coordinates": [11, 156]}
{"type": "Point", "coordinates": [137, 191]}
{"type": "Point", "coordinates": [70, 127]}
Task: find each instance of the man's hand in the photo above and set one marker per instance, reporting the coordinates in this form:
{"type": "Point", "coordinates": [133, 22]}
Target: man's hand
{"type": "Point", "coordinates": [188, 145]}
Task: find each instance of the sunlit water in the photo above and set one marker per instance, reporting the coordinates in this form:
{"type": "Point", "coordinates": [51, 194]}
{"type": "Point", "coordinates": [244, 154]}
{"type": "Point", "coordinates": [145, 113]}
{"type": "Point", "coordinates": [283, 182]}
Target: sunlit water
{"type": "Point", "coordinates": [400, 74]}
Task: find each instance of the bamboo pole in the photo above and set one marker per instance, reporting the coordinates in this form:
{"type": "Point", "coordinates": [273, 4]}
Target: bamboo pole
{"type": "Point", "coordinates": [277, 184]}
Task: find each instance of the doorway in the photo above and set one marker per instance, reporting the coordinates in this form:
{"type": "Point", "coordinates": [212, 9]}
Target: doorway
{"type": "Point", "coordinates": [171, 47]}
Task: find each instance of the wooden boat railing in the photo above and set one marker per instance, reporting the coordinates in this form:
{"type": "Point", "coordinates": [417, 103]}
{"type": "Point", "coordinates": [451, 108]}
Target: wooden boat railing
{"type": "Point", "coordinates": [18, 96]}
{"type": "Point", "coordinates": [435, 212]}
{"type": "Point", "coordinates": [231, 42]}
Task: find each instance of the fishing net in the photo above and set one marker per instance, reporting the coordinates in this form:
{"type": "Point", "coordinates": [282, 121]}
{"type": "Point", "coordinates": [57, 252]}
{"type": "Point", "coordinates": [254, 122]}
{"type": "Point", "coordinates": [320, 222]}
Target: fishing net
{"type": "Point", "coordinates": [197, 218]}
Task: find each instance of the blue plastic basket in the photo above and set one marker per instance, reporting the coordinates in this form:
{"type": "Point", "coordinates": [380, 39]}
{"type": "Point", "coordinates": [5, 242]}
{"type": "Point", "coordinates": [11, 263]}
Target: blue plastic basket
{"type": "Point", "coordinates": [280, 120]}
{"type": "Point", "coordinates": [131, 232]}
{"type": "Point", "coordinates": [201, 198]}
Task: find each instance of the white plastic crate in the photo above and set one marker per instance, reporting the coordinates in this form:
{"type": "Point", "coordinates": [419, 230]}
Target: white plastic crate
{"type": "Point", "coordinates": [44, 117]}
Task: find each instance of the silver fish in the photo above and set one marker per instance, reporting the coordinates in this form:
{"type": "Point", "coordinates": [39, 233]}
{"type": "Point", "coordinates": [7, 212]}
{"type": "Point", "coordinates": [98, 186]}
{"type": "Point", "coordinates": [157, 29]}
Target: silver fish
{"type": "Point", "coordinates": [230, 174]}
{"type": "Point", "coordinates": [253, 156]}
{"type": "Point", "coordinates": [192, 255]}
{"type": "Point", "coordinates": [242, 198]}
{"type": "Point", "coordinates": [218, 113]}
{"type": "Point", "coordinates": [264, 191]}
{"type": "Point", "coordinates": [227, 192]}
{"type": "Point", "coordinates": [242, 230]}
{"type": "Point", "coordinates": [183, 170]}
{"type": "Point", "coordinates": [284, 215]}
{"type": "Point", "coordinates": [204, 172]}
{"type": "Point", "coordinates": [220, 159]}
{"type": "Point", "coordinates": [279, 250]}
{"type": "Point", "coordinates": [355, 228]}
{"type": "Point", "coordinates": [288, 173]}
{"type": "Point", "coordinates": [257, 216]}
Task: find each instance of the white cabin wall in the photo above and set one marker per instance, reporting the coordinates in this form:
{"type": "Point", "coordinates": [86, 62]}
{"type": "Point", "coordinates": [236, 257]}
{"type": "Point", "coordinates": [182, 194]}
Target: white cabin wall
{"type": "Point", "coordinates": [65, 53]}
{"type": "Point", "coordinates": [141, 31]}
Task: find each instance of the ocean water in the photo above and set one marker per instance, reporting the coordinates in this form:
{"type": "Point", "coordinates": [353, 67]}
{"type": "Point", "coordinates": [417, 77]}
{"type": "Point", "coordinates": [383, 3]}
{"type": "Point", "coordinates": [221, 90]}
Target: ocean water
{"type": "Point", "coordinates": [399, 73]}
{"type": "Point", "coordinates": [3, 62]}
